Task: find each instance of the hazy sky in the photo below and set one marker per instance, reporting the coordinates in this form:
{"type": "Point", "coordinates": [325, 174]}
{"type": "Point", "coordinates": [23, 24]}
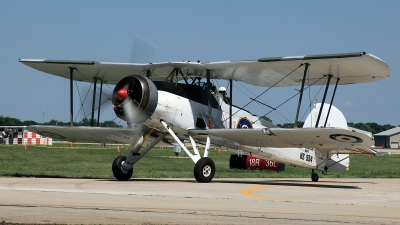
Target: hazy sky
{"type": "Point", "coordinates": [195, 30]}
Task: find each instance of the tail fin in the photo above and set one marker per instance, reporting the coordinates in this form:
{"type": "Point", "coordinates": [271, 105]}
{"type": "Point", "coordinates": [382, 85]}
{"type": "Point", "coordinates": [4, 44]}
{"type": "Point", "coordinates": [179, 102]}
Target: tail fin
{"type": "Point", "coordinates": [336, 117]}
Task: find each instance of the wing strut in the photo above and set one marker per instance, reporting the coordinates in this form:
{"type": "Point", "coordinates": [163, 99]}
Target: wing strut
{"type": "Point", "coordinates": [71, 94]}
{"type": "Point", "coordinates": [98, 110]}
{"type": "Point", "coordinates": [94, 100]}
{"type": "Point", "coordinates": [148, 74]}
{"type": "Point", "coordinates": [210, 120]}
{"type": "Point", "coordinates": [301, 94]}
{"type": "Point", "coordinates": [230, 104]}
{"type": "Point", "coordinates": [330, 106]}
{"type": "Point", "coordinates": [323, 99]}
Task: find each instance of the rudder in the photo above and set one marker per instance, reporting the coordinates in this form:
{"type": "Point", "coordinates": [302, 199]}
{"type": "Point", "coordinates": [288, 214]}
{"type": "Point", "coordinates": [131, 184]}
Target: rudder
{"type": "Point", "coordinates": [336, 119]}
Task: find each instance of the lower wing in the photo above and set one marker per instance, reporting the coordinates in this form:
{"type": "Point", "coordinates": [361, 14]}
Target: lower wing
{"type": "Point", "coordinates": [342, 140]}
{"type": "Point", "coordinates": [86, 134]}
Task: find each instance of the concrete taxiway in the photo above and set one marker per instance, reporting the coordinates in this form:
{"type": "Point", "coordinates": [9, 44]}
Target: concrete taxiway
{"type": "Point", "coordinates": [183, 201]}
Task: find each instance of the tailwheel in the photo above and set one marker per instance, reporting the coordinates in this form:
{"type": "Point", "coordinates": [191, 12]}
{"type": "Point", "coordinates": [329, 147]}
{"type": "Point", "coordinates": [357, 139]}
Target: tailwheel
{"type": "Point", "coordinates": [204, 170]}
{"type": "Point", "coordinates": [314, 177]}
{"type": "Point", "coordinates": [117, 170]}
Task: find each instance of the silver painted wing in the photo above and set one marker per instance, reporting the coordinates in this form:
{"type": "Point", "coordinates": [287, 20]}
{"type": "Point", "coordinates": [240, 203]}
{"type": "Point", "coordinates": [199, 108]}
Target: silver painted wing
{"type": "Point", "coordinates": [86, 134]}
{"type": "Point", "coordinates": [359, 67]}
{"type": "Point", "coordinates": [338, 139]}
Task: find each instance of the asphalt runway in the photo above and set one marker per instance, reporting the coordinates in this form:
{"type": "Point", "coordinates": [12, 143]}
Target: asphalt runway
{"type": "Point", "coordinates": [183, 201]}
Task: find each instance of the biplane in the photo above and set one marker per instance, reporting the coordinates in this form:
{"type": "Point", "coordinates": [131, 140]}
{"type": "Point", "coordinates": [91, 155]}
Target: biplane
{"type": "Point", "coordinates": [176, 102]}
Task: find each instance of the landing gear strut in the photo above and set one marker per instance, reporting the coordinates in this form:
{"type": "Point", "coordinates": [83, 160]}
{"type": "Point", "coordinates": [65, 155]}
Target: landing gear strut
{"type": "Point", "coordinates": [122, 166]}
{"type": "Point", "coordinates": [204, 168]}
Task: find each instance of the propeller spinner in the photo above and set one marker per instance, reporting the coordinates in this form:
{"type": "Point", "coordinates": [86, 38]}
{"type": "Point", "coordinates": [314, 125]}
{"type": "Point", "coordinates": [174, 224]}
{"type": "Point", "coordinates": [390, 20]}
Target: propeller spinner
{"type": "Point", "coordinates": [122, 93]}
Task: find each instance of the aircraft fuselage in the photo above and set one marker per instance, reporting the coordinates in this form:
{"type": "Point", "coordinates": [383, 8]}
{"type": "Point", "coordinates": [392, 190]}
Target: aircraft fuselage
{"type": "Point", "coordinates": [184, 107]}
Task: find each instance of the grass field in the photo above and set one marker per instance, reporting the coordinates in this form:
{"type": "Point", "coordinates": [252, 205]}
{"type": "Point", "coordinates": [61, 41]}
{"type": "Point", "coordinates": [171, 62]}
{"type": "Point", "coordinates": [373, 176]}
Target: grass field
{"type": "Point", "coordinates": [83, 161]}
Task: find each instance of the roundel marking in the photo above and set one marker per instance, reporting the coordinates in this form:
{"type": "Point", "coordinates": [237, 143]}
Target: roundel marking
{"type": "Point", "coordinates": [345, 138]}
{"type": "Point", "coordinates": [244, 123]}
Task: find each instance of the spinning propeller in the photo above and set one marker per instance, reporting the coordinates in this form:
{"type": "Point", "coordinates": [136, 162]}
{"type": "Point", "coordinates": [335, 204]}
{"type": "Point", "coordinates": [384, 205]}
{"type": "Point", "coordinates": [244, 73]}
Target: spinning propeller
{"type": "Point", "coordinates": [135, 99]}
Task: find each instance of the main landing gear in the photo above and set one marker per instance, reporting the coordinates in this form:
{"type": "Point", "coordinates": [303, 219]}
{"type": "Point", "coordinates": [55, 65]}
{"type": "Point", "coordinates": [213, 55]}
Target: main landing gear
{"type": "Point", "coordinates": [122, 166]}
{"type": "Point", "coordinates": [204, 168]}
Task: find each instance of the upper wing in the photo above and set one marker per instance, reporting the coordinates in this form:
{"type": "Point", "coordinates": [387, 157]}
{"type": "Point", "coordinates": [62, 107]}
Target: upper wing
{"type": "Point", "coordinates": [338, 139]}
{"type": "Point", "coordinates": [86, 134]}
{"type": "Point", "coordinates": [351, 68]}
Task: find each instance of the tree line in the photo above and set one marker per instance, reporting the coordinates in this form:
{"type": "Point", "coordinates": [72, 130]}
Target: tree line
{"type": "Point", "coordinates": [9, 121]}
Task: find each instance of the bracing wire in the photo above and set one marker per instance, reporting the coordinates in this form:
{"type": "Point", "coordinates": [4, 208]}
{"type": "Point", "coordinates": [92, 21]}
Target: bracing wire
{"type": "Point", "coordinates": [80, 98]}
{"type": "Point", "coordinates": [262, 102]}
{"type": "Point", "coordinates": [271, 87]}
{"type": "Point", "coordinates": [106, 100]}
{"type": "Point", "coordinates": [252, 99]}
{"type": "Point", "coordinates": [288, 99]}
{"type": "Point", "coordinates": [311, 101]}
{"type": "Point", "coordinates": [82, 108]}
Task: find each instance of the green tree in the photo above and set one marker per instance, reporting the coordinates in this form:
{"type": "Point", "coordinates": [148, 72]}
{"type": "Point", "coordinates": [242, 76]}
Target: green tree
{"type": "Point", "coordinates": [8, 121]}
{"type": "Point", "coordinates": [29, 122]}
{"type": "Point", "coordinates": [291, 125]}
{"type": "Point", "coordinates": [371, 127]}
{"type": "Point", "coordinates": [109, 123]}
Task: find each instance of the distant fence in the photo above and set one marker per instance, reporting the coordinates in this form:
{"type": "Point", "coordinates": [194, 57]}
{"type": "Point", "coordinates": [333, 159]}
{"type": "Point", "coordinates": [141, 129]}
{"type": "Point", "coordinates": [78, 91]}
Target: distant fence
{"type": "Point", "coordinates": [23, 136]}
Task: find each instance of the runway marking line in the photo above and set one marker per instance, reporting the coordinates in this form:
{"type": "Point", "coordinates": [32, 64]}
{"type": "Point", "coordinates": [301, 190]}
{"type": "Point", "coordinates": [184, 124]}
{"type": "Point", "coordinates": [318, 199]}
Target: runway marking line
{"type": "Point", "coordinates": [247, 192]}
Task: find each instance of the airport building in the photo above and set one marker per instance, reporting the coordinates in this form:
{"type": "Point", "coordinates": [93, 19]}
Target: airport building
{"type": "Point", "coordinates": [388, 139]}
{"type": "Point", "coordinates": [22, 136]}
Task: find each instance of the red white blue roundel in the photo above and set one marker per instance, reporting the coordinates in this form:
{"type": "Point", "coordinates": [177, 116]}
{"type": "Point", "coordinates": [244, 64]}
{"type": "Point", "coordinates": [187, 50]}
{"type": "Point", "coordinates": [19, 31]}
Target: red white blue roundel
{"type": "Point", "coordinates": [346, 138]}
{"type": "Point", "coordinates": [244, 123]}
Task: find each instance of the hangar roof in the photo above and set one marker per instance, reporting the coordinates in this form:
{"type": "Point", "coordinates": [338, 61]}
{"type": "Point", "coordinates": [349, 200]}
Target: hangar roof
{"type": "Point", "coordinates": [389, 132]}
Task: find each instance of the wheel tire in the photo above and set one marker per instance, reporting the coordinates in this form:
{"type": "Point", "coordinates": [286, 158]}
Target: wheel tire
{"type": "Point", "coordinates": [204, 170]}
{"type": "Point", "coordinates": [116, 168]}
{"type": "Point", "coordinates": [314, 177]}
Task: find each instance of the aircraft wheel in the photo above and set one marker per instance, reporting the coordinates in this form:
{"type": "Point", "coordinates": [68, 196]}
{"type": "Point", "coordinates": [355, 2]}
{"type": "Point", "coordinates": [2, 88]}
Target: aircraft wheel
{"type": "Point", "coordinates": [116, 168]}
{"type": "Point", "coordinates": [204, 170]}
{"type": "Point", "coordinates": [314, 177]}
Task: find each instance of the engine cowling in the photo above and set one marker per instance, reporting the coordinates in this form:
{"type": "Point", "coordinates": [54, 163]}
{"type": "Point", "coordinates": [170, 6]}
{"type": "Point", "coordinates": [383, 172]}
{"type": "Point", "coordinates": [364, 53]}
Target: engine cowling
{"type": "Point", "coordinates": [247, 162]}
{"type": "Point", "coordinates": [135, 99]}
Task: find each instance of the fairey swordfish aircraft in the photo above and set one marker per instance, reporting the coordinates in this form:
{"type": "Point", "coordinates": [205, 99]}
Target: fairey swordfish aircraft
{"type": "Point", "coordinates": [171, 102]}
